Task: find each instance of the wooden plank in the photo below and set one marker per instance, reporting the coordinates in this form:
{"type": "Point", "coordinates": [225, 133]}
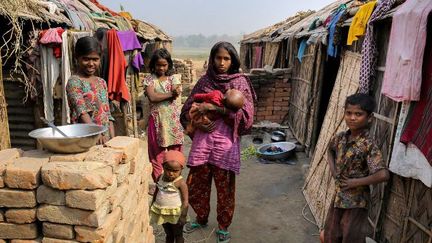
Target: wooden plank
{"type": "Point", "coordinates": [4, 128]}
{"type": "Point", "coordinates": [302, 80]}
{"type": "Point", "coordinates": [420, 226]}
{"type": "Point", "coordinates": [384, 118]}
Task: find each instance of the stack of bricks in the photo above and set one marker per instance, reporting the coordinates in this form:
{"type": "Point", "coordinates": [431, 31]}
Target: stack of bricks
{"type": "Point", "coordinates": [186, 69]}
{"type": "Point", "coordinates": [95, 196]}
{"type": "Point", "coordinates": [273, 90]}
{"type": "Point", "coordinates": [19, 179]}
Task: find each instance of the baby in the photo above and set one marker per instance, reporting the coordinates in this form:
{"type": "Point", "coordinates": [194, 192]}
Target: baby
{"type": "Point", "coordinates": [233, 100]}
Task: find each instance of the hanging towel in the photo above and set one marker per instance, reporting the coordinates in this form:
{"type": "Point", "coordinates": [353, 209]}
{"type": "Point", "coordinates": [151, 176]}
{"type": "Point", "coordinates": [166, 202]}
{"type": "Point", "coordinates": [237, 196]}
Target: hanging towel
{"type": "Point", "coordinates": [117, 87]}
{"type": "Point", "coordinates": [402, 77]}
{"type": "Point", "coordinates": [369, 48]}
{"type": "Point", "coordinates": [359, 22]}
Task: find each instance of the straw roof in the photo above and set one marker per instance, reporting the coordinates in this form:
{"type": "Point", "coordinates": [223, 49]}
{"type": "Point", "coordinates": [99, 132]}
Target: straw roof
{"type": "Point", "coordinates": [268, 33]}
{"type": "Point", "coordinates": [36, 10]}
{"type": "Point", "coordinates": [149, 31]}
{"type": "Point", "coordinates": [302, 27]}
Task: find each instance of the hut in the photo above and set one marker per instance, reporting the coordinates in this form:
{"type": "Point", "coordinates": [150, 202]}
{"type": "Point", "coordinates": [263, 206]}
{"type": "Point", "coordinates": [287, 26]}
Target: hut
{"type": "Point", "coordinates": [25, 90]}
{"type": "Point", "coordinates": [400, 209]}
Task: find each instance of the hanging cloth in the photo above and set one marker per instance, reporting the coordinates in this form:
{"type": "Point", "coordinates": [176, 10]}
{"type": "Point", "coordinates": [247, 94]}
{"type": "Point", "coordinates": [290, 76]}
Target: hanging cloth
{"type": "Point", "coordinates": [369, 48]}
{"type": "Point", "coordinates": [258, 57]}
{"type": "Point", "coordinates": [50, 70]}
{"type": "Point", "coordinates": [402, 77]}
{"type": "Point", "coordinates": [418, 129]}
{"type": "Point", "coordinates": [117, 87]}
{"type": "Point", "coordinates": [66, 73]}
{"type": "Point", "coordinates": [130, 42]}
{"type": "Point", "coordinates": [302, 48]}
{"type": "Point", "coordinates": [359, 22]}
{"type": "Point", "coordinates": [332, 49]}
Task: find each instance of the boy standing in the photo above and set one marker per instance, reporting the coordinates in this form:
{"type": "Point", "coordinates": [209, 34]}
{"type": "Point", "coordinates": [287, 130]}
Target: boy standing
{"type": "Point", "coordinates": [355, 163]}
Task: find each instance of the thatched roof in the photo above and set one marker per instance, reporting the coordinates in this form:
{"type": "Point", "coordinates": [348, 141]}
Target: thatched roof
{"type": "Point", "coordinates": [149, 31]}
{"type": "Point", "coordinates": [36, 10]}
{"type": "Point", "coordinates": [302, 27]}
{"type": "Point", "coordinates": [267, 34]}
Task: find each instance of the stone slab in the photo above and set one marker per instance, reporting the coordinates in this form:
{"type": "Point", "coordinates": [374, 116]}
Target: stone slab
{"type": "Point", "coordinates": [24, 172]}
{"type": "Point", "coordinates": [78, 175]}
{"type": "Point", "coordinates": [73, 216]}
{"type": "Point", "coordinates": [128, 145]}
{"type": "Point", "coordinates": [89, 199]}
{"type": "Point", "coordinates": [18, 231]}
{"type": "Point", "coordinates": [51, 196]}
{"type": "Point", "coordinates": [122, 171]}
{"type": "Point", "coordinates": [101, 234]}
{"type": "Point", "coordinates": [13, 198]}
{"type": "Point", "coordinates": [59, 231]}
{"type": "Point", "coordinates": [21, 216]}
{"type": "Point", "coordinates": [7, 156]}
{"type": "Point", "coordinates": [69, 157]}
{"type": "Point", "coordinates": [53, 240]}
{"type": "Point", "coordinates": [38, 240]}
{"type": "Point", "coordinates": [105, 155]}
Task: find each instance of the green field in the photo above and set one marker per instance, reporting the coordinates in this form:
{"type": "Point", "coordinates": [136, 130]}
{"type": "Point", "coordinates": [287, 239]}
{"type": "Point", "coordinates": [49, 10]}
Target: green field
{"type": "Point", "coordinates": [196, 54]}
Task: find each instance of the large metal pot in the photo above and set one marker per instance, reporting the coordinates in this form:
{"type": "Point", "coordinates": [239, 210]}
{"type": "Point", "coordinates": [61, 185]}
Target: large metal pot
{"type": "Point", "coordinates": [80, 137]}
{"type": "Point", "coordinates": [287, 151]}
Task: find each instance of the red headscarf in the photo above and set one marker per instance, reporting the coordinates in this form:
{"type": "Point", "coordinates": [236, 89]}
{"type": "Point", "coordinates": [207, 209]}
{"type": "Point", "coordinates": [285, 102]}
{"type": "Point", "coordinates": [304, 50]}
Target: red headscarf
{"type": "Point", "coordinates": [173, 155]}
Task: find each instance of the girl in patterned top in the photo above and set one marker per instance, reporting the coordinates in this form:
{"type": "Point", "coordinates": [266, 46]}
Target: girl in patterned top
{"type": "Point", "coordinates": [87, 93]}
{"type": "Point", "coordinates": [164, 129]}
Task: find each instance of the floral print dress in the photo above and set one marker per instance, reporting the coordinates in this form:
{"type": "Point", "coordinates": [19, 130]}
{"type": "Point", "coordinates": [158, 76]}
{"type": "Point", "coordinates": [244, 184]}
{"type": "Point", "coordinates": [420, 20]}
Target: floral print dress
{"type": "Point", "coordinates": [166, 114]}
{"type": "Point", "coordinates": [89, 97]}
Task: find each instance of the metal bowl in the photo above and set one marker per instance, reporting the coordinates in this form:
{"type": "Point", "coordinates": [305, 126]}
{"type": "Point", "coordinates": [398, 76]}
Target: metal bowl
{"type": "Point", "coordinates": [81, 137]}
{"type": "Point", "coordinates": [287, 147]}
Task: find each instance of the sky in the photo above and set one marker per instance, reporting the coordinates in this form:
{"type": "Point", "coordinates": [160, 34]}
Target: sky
{"type": "Point", "coordinates": [213, 17]}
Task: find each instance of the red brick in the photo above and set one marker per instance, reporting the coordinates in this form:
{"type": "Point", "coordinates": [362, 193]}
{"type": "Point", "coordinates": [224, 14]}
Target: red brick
{"type": "Point", "coordinates": [277, 108]}
{"type": "Point", "coordinates": [280, 113]}
{"type": "Point", "coordinates": [281, 103]}
{"type": "Point", "coordinates": [264, 113]}
{"type": "Point", "coordinates": [285, 108]}
{"type": "Point", "coordinates": [282, 85]}
{"type": "Point", "coordinates": [282, 94]}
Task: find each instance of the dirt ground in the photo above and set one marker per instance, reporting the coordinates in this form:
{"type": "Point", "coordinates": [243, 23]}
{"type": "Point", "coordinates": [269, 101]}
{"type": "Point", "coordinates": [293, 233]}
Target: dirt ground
{"type": "Point", "coordinates": [269, 205]}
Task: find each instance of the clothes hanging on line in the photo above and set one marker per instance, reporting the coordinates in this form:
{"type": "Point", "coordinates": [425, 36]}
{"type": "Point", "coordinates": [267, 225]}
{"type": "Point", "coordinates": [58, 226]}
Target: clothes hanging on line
{"type": "Point", "coordinates": [117, 87]}
{"type": "Point", "coordinates": [403, 78]}
{"type": "Point", "coordinates": [359, 22]}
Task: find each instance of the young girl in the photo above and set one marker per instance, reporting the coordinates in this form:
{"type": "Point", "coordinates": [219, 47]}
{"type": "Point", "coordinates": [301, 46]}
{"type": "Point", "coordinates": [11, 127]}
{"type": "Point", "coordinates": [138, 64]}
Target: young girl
{"type": "Point", "coordinates": [170, 200]}
{"type": "Point", "coordinates": [87, 93]}
{"type": "Point", "coordinates": [164, 129]}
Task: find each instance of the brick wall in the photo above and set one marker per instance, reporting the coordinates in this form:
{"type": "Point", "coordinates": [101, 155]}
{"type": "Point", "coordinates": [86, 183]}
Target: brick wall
{"type": "Point", "coordinates": [186, 69]}
{"type": "Point", "coordinates": [96, 196]}
{"type": "Point", "coordinates": [273, 90]}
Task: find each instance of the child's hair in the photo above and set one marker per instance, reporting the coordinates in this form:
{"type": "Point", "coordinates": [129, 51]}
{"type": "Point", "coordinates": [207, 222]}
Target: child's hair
{"type": "Point", "coordinates": [234, 99]}
{"type": "Point", "coordinates": [161, 54]}
{"type": "Point", "coordinates": [235, 60]}
{"type": "Point", "coordinates": [366, 102]}
{"type": "Point", "coordinates": [86, 45]}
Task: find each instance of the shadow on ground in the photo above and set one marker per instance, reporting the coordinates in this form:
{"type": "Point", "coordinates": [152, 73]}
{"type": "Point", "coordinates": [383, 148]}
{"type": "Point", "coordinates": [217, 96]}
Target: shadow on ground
{"type": "Point", "coordinates": [269, 205]}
